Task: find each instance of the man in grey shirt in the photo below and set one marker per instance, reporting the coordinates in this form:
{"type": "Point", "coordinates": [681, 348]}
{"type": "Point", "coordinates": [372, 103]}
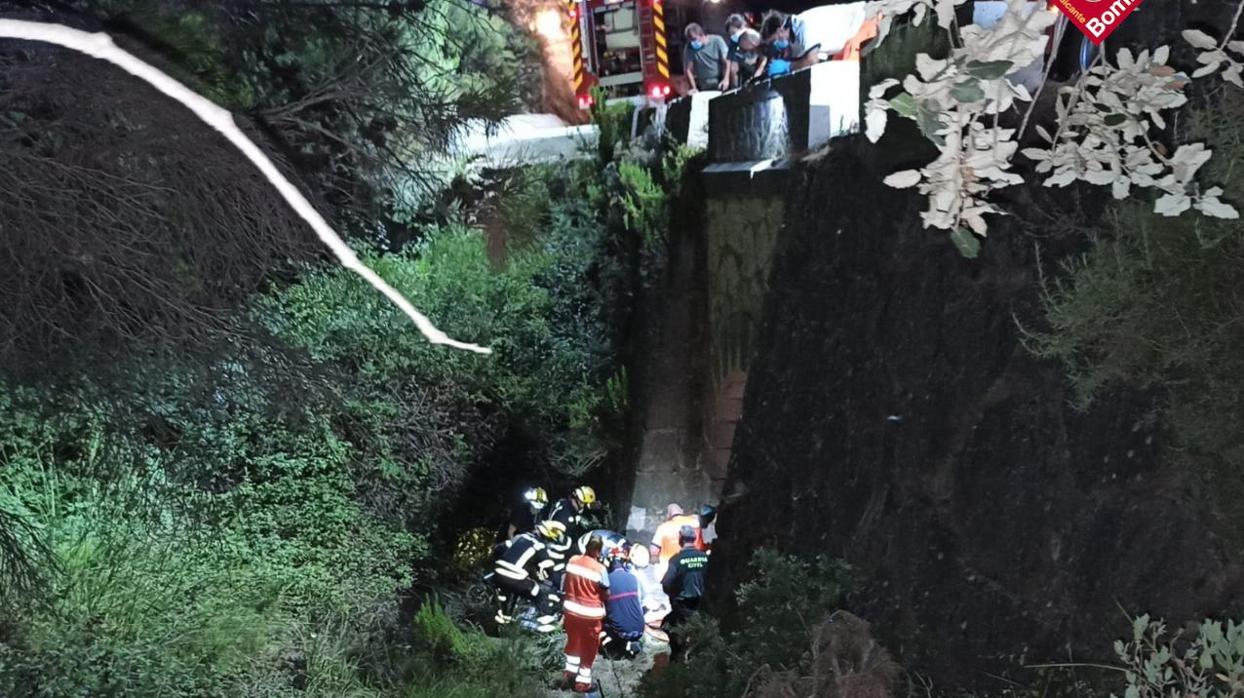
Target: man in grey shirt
{"type": "Point", "coordinates": [705, 60]}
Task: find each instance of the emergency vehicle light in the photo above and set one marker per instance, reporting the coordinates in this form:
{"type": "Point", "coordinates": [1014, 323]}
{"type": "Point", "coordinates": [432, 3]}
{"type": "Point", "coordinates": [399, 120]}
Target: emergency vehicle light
{"type": "Point", "coordinates": [658, 91]}
{"type": "Point", "coordinates": [585, 101]}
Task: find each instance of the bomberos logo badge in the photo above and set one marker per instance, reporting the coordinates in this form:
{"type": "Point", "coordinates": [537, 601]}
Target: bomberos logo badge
{"type": "Point", "coordinates": [1097, 18]}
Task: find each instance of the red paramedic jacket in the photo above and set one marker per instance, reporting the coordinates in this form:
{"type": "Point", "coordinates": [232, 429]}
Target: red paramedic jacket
{"type": "Point", "coordinates": [586, 587]}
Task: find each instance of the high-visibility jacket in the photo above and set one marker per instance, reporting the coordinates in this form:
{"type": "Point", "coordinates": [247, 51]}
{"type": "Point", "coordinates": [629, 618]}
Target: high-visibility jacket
{"type": "Point", "coordinates": [524, 556]}
{"type": "Point", "coordinates": [586, 587]}
{"type": "Point", "coordinates": [666, 536]}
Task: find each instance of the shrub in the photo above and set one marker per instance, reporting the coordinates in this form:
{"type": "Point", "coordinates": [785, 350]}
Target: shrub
{"type": "Point", "coordinates": [786, 597]}
{"type": "Point", "coordinates": [1208, 664]}
{"type": "Point", "coordinates": [780, 607]}
{"type": "Point", "coordinates": [613, 124]}
{"type": "Point", "coordinates": [1152, 305]}
{"type": "Point", "coordinates": [243, 527]}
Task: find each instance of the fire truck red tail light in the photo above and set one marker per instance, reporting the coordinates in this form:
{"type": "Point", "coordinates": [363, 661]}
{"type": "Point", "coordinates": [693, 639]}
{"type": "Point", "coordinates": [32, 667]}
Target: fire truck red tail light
{"type": "Point", "coordinates": [585, 101]}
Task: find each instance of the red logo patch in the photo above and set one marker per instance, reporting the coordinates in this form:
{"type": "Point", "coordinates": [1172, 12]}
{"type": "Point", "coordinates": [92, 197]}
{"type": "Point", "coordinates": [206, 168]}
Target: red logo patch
{"type": "Point", "coordinates": [1097, 18]}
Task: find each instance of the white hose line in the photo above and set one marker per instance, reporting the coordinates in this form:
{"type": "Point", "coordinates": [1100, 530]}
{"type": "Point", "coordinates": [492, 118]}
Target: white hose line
{"type": "Point", "coordinates": [100, 45]}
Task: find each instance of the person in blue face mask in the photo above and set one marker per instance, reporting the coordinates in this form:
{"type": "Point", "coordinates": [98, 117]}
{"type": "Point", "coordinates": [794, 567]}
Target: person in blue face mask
{"type": "Point", "coordinates": [784, 47]}
{"type": "Point", "coordinates": [705, 60]}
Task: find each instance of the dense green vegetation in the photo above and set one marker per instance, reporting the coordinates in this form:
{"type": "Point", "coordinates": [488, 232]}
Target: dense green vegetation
{"type": "Point", "coordinates": [1155, 305]}
{"type": "Point", "coordinates": [779, 610]}
{"type": "Point", "coordinates": [257, 492]}
{"type": "Point", "coordinates": [244, 528]}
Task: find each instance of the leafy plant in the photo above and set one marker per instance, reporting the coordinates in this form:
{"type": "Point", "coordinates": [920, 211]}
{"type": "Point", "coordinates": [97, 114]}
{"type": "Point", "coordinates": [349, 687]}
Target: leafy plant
{"type": "Point", "coordinates": [779, 607]}
{"type": "Point", "coordinates": [643, 203]}
{"type": "Point", "coordinates": [1208, 665]}
{"type": "Point", "coordinates": [613, 124]}
{"type": "Point", "coordinates": [1151, 306]}
{"type": "Point", "coordinates": [1106, 123]}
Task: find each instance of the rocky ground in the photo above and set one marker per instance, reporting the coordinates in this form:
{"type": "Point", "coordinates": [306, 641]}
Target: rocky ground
{"type": "Point", "coordinates": [620, 677]}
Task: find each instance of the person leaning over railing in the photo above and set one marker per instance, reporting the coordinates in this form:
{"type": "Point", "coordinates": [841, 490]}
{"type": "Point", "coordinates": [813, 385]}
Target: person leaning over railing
{"type": "Point", "coordinates": [705, 60]}
{"type": "Point", "coordinates": [749, 61]}
{"type": "Point", "coordinates": [784, 36]}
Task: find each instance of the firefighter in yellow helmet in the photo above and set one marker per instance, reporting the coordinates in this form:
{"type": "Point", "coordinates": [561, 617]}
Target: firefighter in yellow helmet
{"type": "Point", "coordinates": [568, 511]}
{"type": "Point", "coordinates": [523, 566]}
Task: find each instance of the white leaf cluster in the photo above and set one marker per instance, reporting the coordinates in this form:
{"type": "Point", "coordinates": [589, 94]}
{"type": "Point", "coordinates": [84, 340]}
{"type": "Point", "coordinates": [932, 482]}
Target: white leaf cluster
{"type": "Point", "coordinates": [1104, 130]}
{"type": "Point", "coordinates": [1228, 56]}
{"type": "Point", "coordinates": [888, 10]}
{"type": "Point", "coordinates": [956, 101]}
{"type": "Point", "coordinates": [1105, 121]}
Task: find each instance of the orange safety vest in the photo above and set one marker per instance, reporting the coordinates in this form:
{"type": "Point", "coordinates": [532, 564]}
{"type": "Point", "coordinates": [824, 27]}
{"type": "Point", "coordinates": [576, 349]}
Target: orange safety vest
{"type": "Point", "coordinates": [586, 586]}
{"type": "Point", "coordinates": [666, 536]}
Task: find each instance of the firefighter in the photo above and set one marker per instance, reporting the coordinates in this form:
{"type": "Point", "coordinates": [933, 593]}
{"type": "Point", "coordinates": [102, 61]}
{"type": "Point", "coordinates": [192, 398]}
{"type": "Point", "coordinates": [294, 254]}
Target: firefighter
{"type": "Point", "coordinates": [624, 609]}
{"type": "Point", "coordinates": [523, 517]}
{"type": "Point", "coordinates": [568, 511]}
{"type": "Point", "coordinates": [586, 588]}
{"type": "Point", "coordinates": [684, 579]}
{"type": "Point", "coordinates": [522, 569]}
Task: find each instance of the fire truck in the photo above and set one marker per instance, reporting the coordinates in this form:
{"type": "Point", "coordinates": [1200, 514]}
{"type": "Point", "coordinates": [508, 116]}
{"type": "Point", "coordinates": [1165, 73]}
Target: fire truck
{"type": "Point", "coordinates": [624, 47]}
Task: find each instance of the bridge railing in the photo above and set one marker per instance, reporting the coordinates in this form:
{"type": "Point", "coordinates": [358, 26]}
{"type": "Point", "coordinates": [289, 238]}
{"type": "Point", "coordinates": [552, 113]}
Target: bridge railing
{"type": "Point", "coordinates": [771, 120]}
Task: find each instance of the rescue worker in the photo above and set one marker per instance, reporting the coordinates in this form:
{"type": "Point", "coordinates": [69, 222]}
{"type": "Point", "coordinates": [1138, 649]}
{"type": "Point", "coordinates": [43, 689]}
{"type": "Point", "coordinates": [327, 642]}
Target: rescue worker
{"type": "Point", "coordinates": [586, 589]}
{"type": "Point", "coordinates": [522, 569]}
{"type": "Point", "coordinates": [624, 609]}
{"type": "Point", "coordinates": [705, 60]}
{"type": "Point", "coordinates": [665, 540]}
{"type": "Point", "coordinates": [786, 46]}
{"type": "Point", "coordinates": [749, 61]}
{"type": "Point", "coordinates": [684, 579]}
{"type": "Point", "coordinates": [568, 511]}
{"type": "Point", "coordinates": [523, 517]}
{"type": "Point", "coordinates": [736, 24]}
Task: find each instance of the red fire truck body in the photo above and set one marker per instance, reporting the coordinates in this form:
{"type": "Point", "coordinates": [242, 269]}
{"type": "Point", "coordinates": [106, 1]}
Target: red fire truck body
{"type": "Point", "coordinates": [621, 46]}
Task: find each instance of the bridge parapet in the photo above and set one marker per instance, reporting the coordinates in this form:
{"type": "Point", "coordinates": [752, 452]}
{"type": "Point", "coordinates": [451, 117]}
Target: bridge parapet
{"type": "Point", "coordinates": [771, 121]}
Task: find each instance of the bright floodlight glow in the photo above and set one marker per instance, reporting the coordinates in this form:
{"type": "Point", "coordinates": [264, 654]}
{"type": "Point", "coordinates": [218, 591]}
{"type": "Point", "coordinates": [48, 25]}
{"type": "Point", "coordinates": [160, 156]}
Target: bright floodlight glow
{"type": "Point", "coordinates": [549, 24]}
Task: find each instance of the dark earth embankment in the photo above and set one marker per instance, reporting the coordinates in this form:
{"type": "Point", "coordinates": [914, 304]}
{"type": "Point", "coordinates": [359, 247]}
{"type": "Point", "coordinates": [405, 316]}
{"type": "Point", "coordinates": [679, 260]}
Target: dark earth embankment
{"type": "Point", "coordinates": [893, 418]}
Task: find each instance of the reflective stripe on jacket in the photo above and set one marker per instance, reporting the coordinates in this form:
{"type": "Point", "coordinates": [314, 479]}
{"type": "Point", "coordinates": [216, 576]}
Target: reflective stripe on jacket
{"type": "Point", "coordinates": [523, 555]}
{"type": "Point", "coordinates": [586, 587]}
